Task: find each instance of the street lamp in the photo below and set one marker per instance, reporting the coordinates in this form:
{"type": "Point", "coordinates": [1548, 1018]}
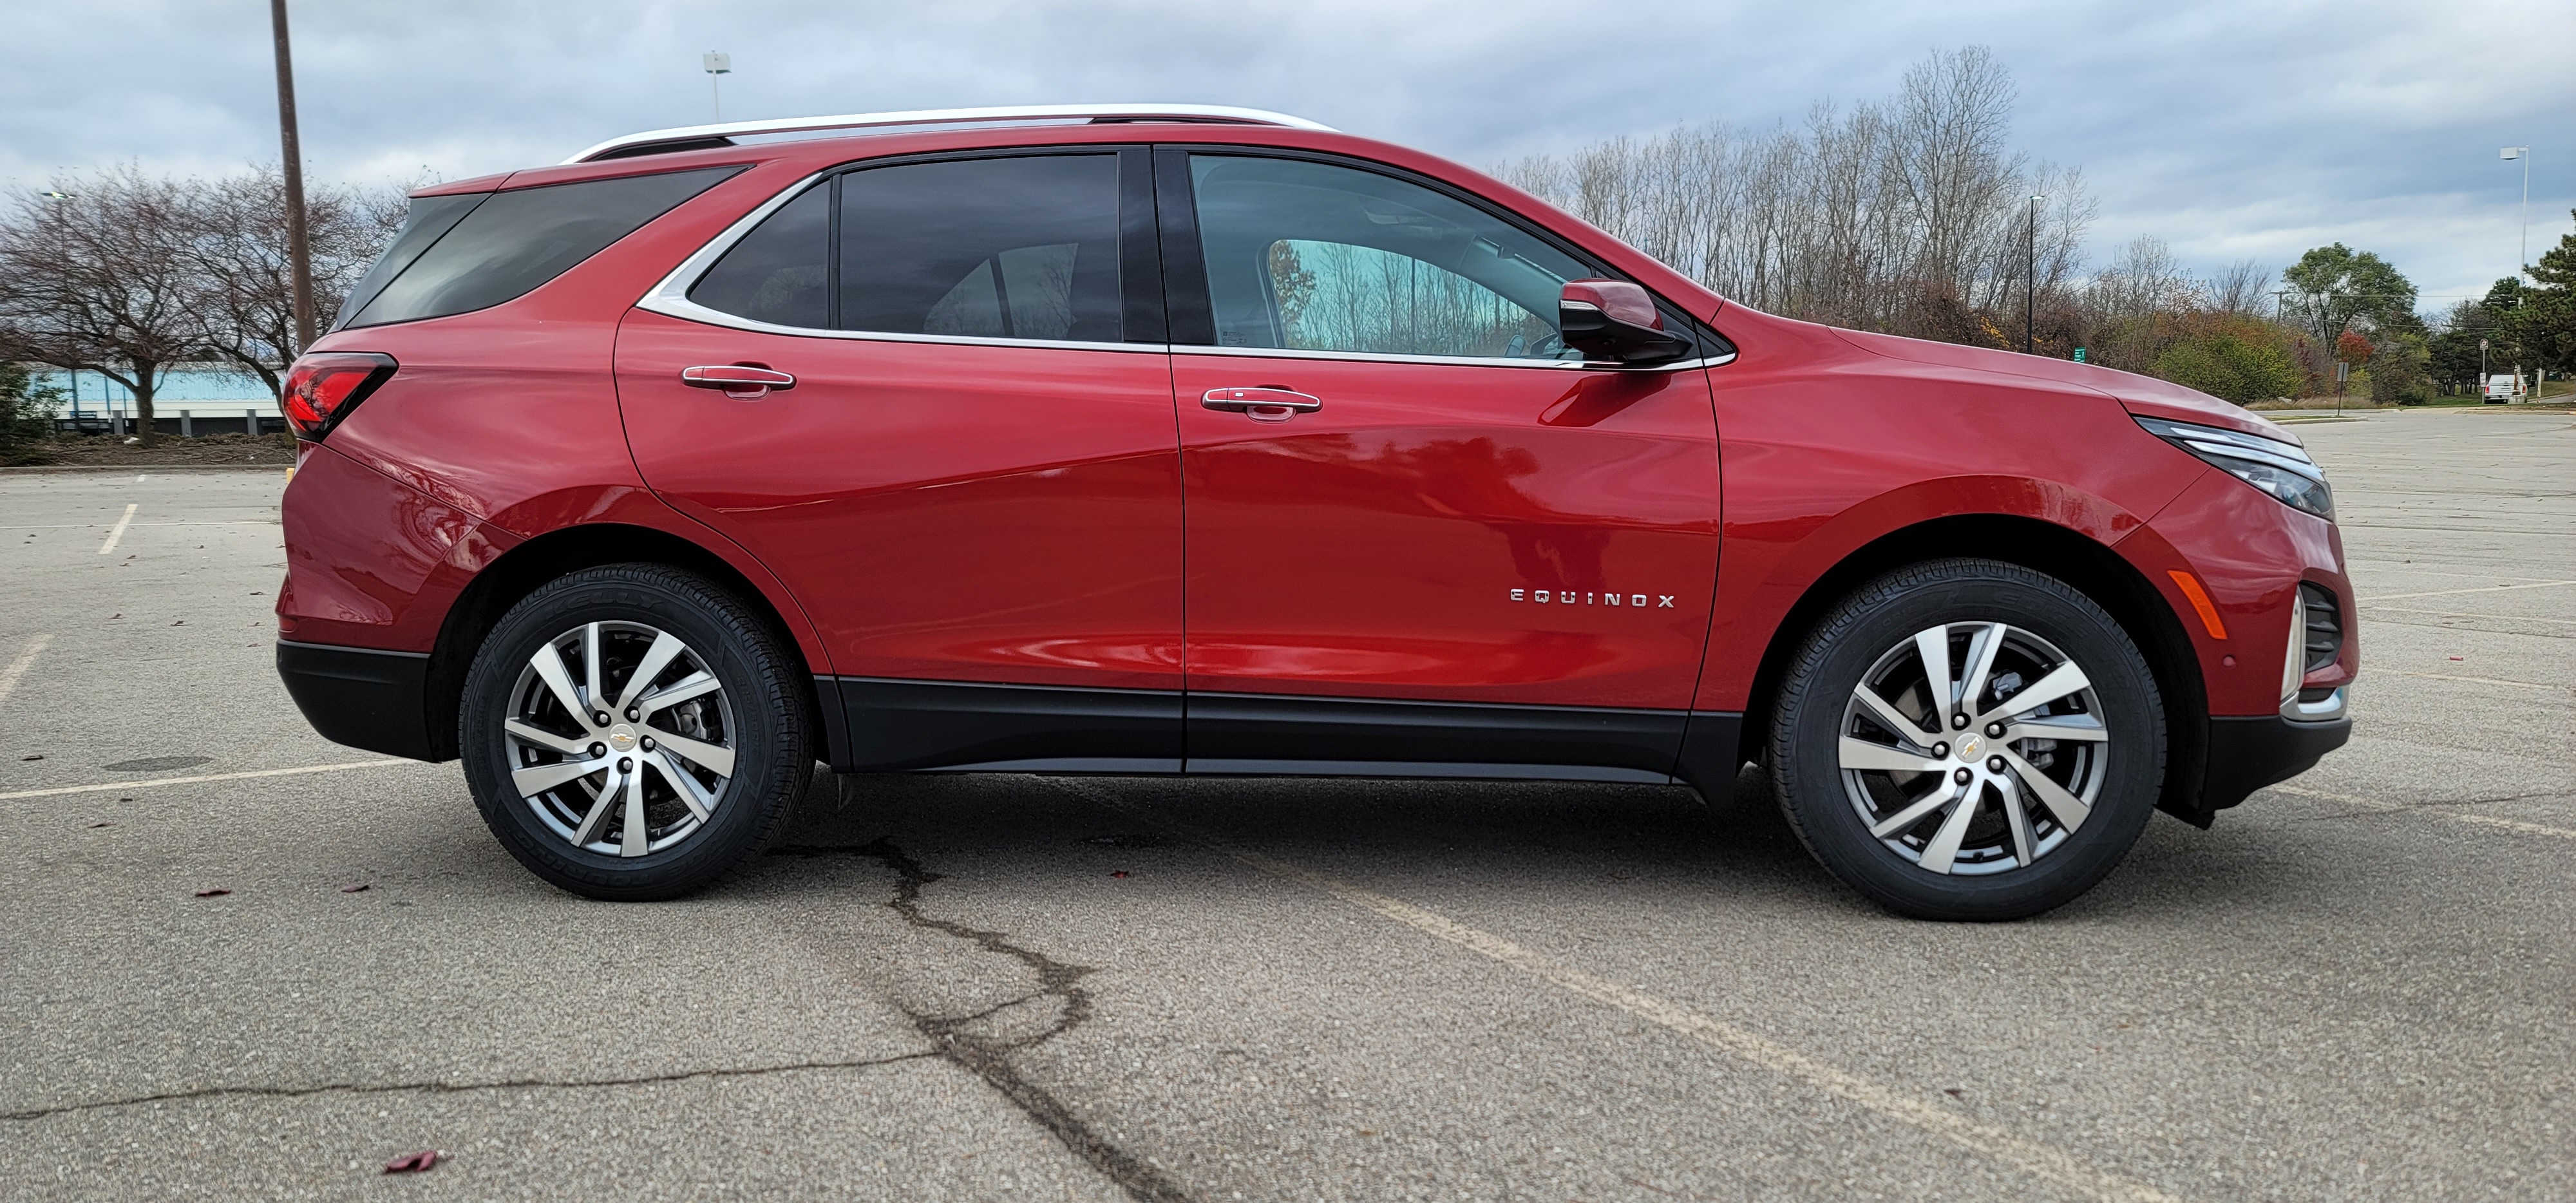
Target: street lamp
{"type": "Point", "coordinates": [2030, 286]}
{"type": "Point", "coordinates": [716, 63]}
{"type": "Point", "coordinates": [2523, 153]}
{"type": "Point", "coordinates": [57, 195]}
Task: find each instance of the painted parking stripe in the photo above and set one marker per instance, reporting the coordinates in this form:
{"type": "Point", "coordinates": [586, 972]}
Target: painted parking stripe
{"type": "Point", "coordinates": [2029, 1156]}
{"type": "Point", "coordinates": [2456, 592]}
{"type": "Point", "coordinates": [161, 781]}
{"type": "Point", "coordinates": [2438, 811]}
{"type": "Point", "coordinates": [119, 532]}
{"type": "Point", "coordinates": [2472, 680]}
{"type": "Point", "coordinates": [18, 667]}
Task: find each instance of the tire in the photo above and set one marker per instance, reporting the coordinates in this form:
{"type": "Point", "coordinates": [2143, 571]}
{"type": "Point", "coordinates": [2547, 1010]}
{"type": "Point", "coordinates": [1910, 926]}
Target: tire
{"type": "Point", "coordinates": [2083, 768]}
{"type": "Point", "coordinates": [726, 710]}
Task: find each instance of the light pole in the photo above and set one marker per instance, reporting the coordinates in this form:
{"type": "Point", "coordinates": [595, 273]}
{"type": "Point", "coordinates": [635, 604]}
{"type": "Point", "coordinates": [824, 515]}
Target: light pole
{"type": "Point", "coordinates": [2523, 153]}
{"type": "Point", "coordinates": [299, 250]}
{"type": "Point", "coordinates": [58, 196]}
{"type": "Point", "coordinates": [717, 63]}
{"type": "Point", "coordinates": [2030, 285]}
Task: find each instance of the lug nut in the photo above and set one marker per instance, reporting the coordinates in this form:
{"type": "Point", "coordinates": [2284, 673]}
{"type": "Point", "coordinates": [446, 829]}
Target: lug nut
{"type": "Point", "coordinates": [599, 749]}
{"type": "Point", "coordinates": [1963, 776]}
{"type": "Point", "coordinates": [1995, 764]}
{"type": "Point", "coordinates": [599, 719]}
{"type": "Point", "coordinates": [627, 765]}
{"type": "Point", "coordinates": [1994, 730]}
{"type": "Point", "coordinates": [633, 713]}
{"type": "Point", "coordinates": [1940, 749]}
{"type": "Point", "coordinates": [1958, 721]}
{"type": "Point", "coordinates": [648, 743]}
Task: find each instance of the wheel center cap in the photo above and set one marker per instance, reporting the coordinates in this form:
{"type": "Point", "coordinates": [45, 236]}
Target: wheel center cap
{"type": "Point", "coordinates": [1969, 747]}
{"type": "Point", "coordinates": [621, 737]}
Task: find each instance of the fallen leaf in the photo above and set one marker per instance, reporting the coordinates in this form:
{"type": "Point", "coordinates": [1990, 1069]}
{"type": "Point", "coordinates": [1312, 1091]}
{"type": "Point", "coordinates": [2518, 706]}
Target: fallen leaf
{"type": "Point", "coordinates": [1118, 873]}
{"type": "Point", "coordinates": [38, 756]}
{"type": "Point", "coordinates": [353, 889]}
{"type": "Point", "coordinates": [212, 893]}
{"type": "Point", "coordinates": [1953, 1092]}
{"type": "Point", "coordinates": [125, 799]}
{"type": "Point", "coordinates": [95, 826]}
{"type": "Point", "coordinates": [2459, 657]}
{"type": "Point", "coordinates": [414, 1164]}
{"type": "Point", "coordinates": [181, 623]}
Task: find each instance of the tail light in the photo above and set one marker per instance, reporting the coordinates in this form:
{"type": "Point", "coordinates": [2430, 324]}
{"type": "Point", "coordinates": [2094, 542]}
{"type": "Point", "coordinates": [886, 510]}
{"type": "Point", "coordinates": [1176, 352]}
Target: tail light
{"type": "Point", "coordinates": [323, 387]}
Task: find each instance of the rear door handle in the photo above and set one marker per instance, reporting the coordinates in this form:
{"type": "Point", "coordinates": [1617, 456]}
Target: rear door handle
{"type": "Point", "coordinates": [1267, 402]}
{"type": "Point", "coordinates": [740, 381]}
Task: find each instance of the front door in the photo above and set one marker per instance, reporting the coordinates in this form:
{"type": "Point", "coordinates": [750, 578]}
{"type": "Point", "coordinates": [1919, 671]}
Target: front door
{"type": "Point", "coordinates": [972, 485]}
{"type": "Point", "coordinates": [1421, 535]}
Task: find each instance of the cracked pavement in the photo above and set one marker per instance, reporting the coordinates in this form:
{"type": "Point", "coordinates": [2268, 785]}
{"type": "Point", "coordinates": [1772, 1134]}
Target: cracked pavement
{"type": "Point", "coordinates": [2358, 986]}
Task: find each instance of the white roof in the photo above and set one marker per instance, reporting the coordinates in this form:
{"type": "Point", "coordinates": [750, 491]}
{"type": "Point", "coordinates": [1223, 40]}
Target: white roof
{"type": "Point", "coordinates": [1213, 113]}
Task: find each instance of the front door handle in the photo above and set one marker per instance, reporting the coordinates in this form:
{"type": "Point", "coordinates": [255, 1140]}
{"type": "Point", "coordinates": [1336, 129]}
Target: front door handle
{"type": "Point", "coordinates": [1267, 402]}
{"type": "Point", "coordinates": [740, 381]}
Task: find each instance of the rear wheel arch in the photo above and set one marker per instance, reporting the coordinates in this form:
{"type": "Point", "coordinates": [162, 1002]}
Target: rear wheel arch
{"type": "Point", "coordinates": [523, 569]}
{"type": "Point", "coordinates": [2092, 568]}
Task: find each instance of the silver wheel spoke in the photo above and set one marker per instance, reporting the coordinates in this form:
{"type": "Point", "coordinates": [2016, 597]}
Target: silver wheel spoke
{"type": "Point", "coordinates": [2061, 681]}
{"type": "Point", "coordinates": [546, 739]}
{"type": "Point", "coordinates": [638, 837]}
{"type": "Point", "coordinates": [656, 658]}
{"type": "Point", "coordinates": [1944, 848]}
{"type": "Point", "coordinates": [680, 691]}
{"type": "Point", "coordinates": [1934, 646]}
{"type": "Point", "coordinates": [684, 783]}
{"type": "Point", "coordinates": [1862, 754]}
{"type": "Point", "coordinates": [590, 662]}
{"type": "Point", "coordinates": [598, 812]}
{"type": "Point", "coordinates": [1982, 647]}
{"type": "Point", "coordinates": [2069, 809]}
{"type": "Point", "coordinates": [537, 779]}
{"type": "Point", "coordinates": [549, 667]}
{"type": "Point", "coordinates": [1893, 719]}
{"type": "Point", "coordinates": [705, 755]}
{"type": "Point", "coordinates": [1932, 800]}
{"type": "Point", "coordinates": [2081, 727]}
{"type": "Point", "coordinates": [2018, 819]}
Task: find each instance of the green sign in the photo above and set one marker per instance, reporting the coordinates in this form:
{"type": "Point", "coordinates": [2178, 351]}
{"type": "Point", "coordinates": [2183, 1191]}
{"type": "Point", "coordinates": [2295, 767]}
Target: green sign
{"type": "Point", "coordinates": [2079, 354]}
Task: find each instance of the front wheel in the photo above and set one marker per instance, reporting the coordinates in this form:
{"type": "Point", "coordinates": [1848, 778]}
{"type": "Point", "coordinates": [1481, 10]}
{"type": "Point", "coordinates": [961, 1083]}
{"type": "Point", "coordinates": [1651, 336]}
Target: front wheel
{"type": "Point", "coordinates": [633, 732]}
{"type": "Point", "coordinates": [1968, 739]}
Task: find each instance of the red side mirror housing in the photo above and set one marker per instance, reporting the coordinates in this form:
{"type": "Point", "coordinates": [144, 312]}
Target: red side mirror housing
{"type": "Point", "coordinates": [1616, 321]}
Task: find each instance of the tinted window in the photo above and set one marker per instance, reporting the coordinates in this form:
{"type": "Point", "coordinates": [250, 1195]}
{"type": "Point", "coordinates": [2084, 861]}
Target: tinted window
{"type": "Point", "coordinates": [515, 241]}
{"type": "Point", "coordinates": [776, 273]}
{"type": "Point", "coordinates": [1312, 256]}
{"type": "Point", "coordinates": [430, 218]}
{"type": "Point", "coordinates": [985, 248]}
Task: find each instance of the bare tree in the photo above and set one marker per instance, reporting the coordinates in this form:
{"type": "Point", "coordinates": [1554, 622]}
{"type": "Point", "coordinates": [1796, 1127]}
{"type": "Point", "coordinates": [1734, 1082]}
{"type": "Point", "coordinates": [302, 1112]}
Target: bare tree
{"type": "Point", "coordinates": [96, 274]}
{"type": "Point", "coordinates": [246, 300]}
{"type": "Point", "coordinates": [2239, 288]}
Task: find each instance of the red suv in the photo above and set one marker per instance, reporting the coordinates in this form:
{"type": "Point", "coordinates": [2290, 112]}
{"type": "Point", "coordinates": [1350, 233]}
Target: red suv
{"type": "Point", "coordinates": [1199, 440]}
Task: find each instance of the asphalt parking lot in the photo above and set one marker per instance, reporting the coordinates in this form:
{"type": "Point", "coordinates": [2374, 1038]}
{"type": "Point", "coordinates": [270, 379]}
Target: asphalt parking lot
{"type": "Point", "coordinates": [2359, 986]}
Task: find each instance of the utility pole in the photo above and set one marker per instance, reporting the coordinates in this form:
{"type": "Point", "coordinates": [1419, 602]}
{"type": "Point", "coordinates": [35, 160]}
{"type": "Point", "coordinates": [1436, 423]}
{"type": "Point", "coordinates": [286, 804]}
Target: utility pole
{"type": "Point", "coordinates": [299, 249]}
{"type": "Point", "coordinates": [2030, 286]}
{"type": "Point", "coordinates": [717, 63]}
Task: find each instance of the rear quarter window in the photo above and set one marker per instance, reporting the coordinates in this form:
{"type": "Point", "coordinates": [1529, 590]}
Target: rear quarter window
{"type": "Point", "coordinates": [512, 242]}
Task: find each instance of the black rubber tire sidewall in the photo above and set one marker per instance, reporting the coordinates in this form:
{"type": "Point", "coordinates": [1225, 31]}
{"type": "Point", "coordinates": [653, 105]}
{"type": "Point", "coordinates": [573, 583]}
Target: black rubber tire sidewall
{"type": "Point", "coordinates": [1818, 685]}
{"type": "Point", "coordinates": [773, 759]}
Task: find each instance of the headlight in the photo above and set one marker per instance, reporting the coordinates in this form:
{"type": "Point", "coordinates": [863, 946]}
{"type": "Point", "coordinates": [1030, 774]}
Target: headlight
{"type": "Point", "coordinates": [2280, 469]}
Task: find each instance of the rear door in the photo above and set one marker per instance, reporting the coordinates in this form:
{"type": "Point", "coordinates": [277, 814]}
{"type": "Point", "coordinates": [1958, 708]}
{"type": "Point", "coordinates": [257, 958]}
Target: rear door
{"type": "Point", "coordinates": [972, 485]}
{"type": "Point", "coordinates": [1422, 536]}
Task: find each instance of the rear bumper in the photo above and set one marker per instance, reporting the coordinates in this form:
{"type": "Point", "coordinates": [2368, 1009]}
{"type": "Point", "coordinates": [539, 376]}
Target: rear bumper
{"type": "Point", "coordinates": [2246, 754]}
{"type": "Point", "coordinates": [361, 697]}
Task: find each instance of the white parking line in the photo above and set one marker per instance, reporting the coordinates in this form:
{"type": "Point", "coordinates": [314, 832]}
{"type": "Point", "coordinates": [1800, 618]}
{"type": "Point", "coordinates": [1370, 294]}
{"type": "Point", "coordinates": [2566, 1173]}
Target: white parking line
{"type": "Point", "coordinates": [2029, 1156]}
{"type": "Point", "coordinates": [2456, 592]}
{"type": "Point", "coordinates": [159, 781]}
{"type": "Point", "coordinates": [2444, 812]}
{"type": "Point", "coordinates": [18, 667]}
{"type": "Point", "coordinates": [119, 532]}
{"type": "Point", "coordinates": [2473, 680]}
{"type": "Point", "coordinates": [2564, 622]}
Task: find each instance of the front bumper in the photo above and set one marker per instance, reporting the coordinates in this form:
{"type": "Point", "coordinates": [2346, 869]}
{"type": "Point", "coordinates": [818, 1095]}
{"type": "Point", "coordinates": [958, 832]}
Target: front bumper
{"type": "Point", "coordinates": [2246, 754]}
{"type": "Point", "coordinates": [361, 697]}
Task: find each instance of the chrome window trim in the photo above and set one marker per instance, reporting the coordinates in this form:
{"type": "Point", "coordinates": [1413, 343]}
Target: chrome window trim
{"type": "Point", "coordinates": [1209, 113]}
{"type": "Point", "coordinates": [1478, 361]}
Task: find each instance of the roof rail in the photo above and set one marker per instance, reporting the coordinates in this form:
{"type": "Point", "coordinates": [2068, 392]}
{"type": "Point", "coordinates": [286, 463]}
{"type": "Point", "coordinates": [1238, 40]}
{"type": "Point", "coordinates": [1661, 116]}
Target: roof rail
{"type": "Point", "coordinates": [700, 137]}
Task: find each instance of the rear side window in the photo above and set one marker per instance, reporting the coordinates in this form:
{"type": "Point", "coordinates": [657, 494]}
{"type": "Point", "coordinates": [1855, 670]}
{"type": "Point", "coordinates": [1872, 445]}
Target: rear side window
{"type": "Point", "coordinates": [777, 273]}
{"type": "Point", "coordinates": [514, 241]}
{"type": "Point", "coordinates": [430, 219]}
{"type": "Point", "coordinates": [1023, 248]}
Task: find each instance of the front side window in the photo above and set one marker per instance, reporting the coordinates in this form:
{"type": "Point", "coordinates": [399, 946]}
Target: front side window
{"type": "Point", "coordinates": [1020, 248]}
{"type": "Point", "coordinates": [1312, 256]}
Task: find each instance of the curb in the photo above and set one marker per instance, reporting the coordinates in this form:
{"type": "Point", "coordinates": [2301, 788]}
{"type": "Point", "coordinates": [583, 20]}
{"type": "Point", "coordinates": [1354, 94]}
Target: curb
{"type": "Point", "coordinates": [141, 469]}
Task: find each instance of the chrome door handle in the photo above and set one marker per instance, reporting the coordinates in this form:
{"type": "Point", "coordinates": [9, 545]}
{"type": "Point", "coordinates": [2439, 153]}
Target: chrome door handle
{"type": "Point", "coordinates": [740, 381]}
{"type": "Point", "coordinates": [1267, 402]}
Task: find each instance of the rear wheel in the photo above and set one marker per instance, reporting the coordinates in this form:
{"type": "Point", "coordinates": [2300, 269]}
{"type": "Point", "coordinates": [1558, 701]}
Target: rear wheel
{"type": "Point", "coordinates": [1968, 739]}
{"type": "Point", "coordinates": [633, 732]}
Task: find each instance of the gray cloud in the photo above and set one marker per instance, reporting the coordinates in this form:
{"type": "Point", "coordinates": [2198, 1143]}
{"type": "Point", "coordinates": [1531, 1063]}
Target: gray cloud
{"type": "Point", "coordinates": [2229, 129]}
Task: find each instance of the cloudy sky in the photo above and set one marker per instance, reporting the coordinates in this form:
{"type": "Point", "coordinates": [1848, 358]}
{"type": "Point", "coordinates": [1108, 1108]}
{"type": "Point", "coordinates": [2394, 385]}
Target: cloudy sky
{"type": "Point", "coordinates": [2252, 128]}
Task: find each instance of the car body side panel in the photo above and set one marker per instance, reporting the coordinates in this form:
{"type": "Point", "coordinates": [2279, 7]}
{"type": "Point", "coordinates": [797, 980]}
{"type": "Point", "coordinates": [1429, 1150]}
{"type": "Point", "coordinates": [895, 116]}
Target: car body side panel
{"type": "Point", "coordinates": [2249, 553]}
{"type": "Point", "coordinates": [370, 562]}
{"type": "Point", "coordinates": [1829, 447]}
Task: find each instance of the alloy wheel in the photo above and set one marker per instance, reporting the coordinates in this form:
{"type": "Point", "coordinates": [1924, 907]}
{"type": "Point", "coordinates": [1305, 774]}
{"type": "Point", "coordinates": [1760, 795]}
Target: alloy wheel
{"type": "Point", "coordinates": [620, 738]}
{"type": "Point", "coordinates": [1973, 748]}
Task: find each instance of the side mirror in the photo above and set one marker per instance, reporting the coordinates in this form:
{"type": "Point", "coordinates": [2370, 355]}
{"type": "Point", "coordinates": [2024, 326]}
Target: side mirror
{"type": "Point", "coordinates": [1615, 320]}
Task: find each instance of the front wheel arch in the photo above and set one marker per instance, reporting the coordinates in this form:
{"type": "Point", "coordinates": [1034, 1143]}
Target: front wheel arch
{"type": "Point", "coordinates": [2098, 572]}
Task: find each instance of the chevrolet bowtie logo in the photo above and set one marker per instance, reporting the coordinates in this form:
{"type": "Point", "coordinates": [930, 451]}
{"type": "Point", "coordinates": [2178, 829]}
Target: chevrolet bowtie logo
{"type": "Point", "coordinates": [1580, 597]}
